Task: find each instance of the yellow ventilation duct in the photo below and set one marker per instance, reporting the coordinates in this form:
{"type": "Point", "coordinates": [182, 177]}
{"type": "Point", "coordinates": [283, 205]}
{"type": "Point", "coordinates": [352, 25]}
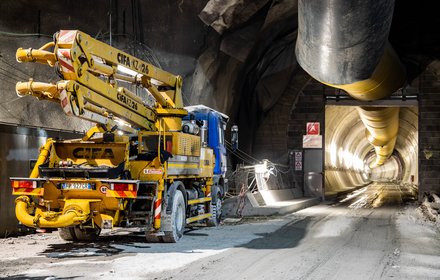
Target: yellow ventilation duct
{"type": "Point", "coordinates": [382, 126]}
{"type": "Point", "coordinates": [344, 44]}
{"type": "Point", "coordinates": [387, 77]}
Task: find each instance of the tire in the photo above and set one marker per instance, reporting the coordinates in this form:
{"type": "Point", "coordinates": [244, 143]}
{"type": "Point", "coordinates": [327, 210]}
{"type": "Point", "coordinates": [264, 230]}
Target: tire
{"type": "Point", "coordinates": [216, 211]}
{"type": "Point", "coordinates": [67, 234]}
{"type": "Point", "coordinates": [87, 234]}
{"type": "Point", "coordinates": [176, 221]}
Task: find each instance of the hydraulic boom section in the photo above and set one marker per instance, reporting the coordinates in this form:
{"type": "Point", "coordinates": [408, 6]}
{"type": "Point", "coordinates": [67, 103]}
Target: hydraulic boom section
{"type": "Point", "coordinates": [92, 72]}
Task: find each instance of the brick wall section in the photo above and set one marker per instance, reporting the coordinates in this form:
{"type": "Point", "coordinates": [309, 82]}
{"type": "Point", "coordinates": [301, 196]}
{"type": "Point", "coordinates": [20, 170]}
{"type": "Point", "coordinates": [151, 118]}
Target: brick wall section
{"type": "Point", "coordinates": [309, 108]}
{"type": "Point", "coordinates": [429, 132]}
{"type": "Point", "coordinates": [271, 138]}
{"type": "Point", "coordinates": [271, 141]}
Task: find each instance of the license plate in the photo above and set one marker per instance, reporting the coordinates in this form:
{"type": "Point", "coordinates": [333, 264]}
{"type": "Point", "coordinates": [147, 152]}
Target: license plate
{"type": "Point", "coordinates": [76, 186]}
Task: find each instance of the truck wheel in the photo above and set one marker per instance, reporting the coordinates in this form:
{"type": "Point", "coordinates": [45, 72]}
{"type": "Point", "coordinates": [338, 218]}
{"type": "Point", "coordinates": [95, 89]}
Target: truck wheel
{"type": "Point", "coordinates": [216, 211]}
{"type": "Point", "coordinates": [87, 234]}
{"type": "Point", "coordinates": [67, 233]}
{"type": "Point", "coordinates": [177, 219]}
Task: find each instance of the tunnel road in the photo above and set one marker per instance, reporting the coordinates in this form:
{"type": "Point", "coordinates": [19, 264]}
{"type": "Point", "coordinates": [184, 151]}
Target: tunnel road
{"type": "Point", "coordinates": [368, 236]}
{"type": "Point", "coordinates": [381, 239]}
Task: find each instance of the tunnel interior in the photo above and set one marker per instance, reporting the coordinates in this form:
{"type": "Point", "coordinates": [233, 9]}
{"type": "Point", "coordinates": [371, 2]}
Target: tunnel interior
{"type": "Point", "coordinates": [239, 57]}
{"type": "Point", "coordinates": [349, 155]}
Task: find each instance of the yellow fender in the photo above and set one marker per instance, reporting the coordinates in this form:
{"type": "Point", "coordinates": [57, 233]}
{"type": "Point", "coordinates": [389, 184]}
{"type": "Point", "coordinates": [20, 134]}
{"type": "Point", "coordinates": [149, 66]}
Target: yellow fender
{"type": "Point", "coordinates": [76, 211]}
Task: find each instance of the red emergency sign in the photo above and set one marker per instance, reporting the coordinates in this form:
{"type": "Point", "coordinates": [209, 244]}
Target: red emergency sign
{"type": "Point", "coordinates": [312, 128]}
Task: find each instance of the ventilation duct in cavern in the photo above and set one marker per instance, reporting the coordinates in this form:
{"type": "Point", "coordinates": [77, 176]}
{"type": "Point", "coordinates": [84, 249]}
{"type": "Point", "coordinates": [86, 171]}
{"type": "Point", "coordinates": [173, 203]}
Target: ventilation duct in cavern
{"type": "Point", "coordinates": [344, 44]}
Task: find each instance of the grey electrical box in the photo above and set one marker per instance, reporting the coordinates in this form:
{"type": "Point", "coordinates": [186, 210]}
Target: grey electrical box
{"type": "Point", "coordinates": [313, 160]}
{"type": "Point", "coordinates": [313, 168]}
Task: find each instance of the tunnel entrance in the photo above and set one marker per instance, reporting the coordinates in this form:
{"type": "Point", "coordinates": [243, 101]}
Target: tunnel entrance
{"type": "Point", "coordinates": [349, 157]}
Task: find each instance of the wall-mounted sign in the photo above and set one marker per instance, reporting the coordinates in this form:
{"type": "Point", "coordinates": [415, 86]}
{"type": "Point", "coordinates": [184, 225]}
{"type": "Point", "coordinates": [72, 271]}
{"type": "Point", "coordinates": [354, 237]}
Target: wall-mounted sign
{"type": "Point", "coordinates": [312, 128]}
{"type": "Point", "coordinates": [298, 161]}
{"type": "Point", "coordinates": [312, 141]}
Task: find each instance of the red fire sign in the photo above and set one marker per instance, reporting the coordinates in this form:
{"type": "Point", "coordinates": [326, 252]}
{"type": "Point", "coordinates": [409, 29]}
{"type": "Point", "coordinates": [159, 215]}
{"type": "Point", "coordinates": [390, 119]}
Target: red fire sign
{"type": "Point", "coordinates": [312, 128]}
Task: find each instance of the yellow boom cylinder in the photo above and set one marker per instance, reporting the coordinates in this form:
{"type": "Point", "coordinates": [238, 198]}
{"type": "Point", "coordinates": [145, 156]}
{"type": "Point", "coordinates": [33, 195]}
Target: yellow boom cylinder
{"type": "Point", "coordinates": [31, 55]}
{"type": "Point", "coordinates": [44, 152]}
{"type": "Point", "coordinates": [38, 89]}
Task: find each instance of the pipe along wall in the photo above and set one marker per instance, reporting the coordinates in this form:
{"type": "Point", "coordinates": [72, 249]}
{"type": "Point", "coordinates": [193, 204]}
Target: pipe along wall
{"type": "Point", "coordinates": [344, 44]}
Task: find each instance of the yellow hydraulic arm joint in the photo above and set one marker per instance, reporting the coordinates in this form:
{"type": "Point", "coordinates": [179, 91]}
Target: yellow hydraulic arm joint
{"type": "Point", "coordinates": [93, 131]}
{"type": "Point", "coordinates": [42, 91]}
{"type": "Point", "coordinates": [41, 55]}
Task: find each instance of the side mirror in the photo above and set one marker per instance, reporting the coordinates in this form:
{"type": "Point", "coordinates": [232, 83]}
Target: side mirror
{"type": "Point", "coordinates": [234, 137]}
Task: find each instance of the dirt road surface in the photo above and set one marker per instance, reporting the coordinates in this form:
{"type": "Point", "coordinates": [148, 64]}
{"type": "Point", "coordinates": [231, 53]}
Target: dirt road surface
{"type": "Point", "coordinates": [348, 240]}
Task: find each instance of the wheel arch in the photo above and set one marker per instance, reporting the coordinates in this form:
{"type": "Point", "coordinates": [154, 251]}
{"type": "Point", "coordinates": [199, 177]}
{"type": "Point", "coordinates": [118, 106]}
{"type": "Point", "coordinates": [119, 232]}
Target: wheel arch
{"type": "Point", "coordinates": [220, 185]}
{"type": "Point", "coordinates": [175, 186]}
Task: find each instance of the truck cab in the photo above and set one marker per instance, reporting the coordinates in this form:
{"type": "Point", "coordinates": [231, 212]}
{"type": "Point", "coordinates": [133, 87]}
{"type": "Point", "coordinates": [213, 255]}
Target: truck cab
{"type": "Point", "coordinates": [210, 125]}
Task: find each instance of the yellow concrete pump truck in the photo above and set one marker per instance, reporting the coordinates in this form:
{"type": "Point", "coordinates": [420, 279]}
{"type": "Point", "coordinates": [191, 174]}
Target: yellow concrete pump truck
{"type": "Point", "coordinates": [148, 163]}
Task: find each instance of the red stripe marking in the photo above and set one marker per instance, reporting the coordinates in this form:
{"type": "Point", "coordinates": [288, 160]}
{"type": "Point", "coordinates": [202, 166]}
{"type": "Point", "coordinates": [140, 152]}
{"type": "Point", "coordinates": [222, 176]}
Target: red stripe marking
{"type": "Point", "coordinates": [38, 191]}
{"type": "Point", "coordinates": [130, 194]}
{"type": "Point", "coordinates": [66, 65]}
{"type": "Point", "coordinates": [66, 36]}
{"type": "Point", "coordinates": [157, 204]}
{"type": "Point", "coordinates": [65, 53]}
{"type": "Point", "coordinates": [64, 102]}
{"type": "Point", "coordinates": [65, 59]}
